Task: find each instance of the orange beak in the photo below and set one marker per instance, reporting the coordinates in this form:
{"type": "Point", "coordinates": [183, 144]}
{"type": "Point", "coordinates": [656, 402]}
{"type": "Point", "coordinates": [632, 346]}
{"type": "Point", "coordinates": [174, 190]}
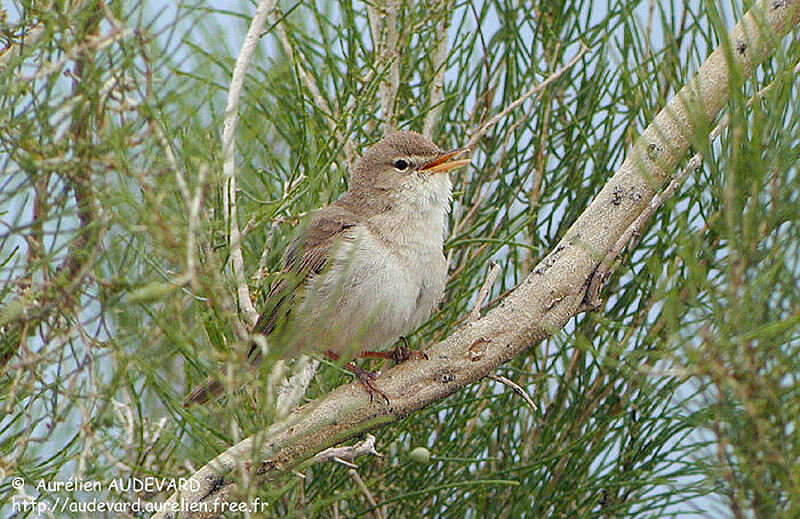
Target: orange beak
{"type": "Point", "coordinates": [447, 161]}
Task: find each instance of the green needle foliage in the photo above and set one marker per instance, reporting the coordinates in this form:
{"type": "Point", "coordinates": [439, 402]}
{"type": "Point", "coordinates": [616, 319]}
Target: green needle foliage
{"type": "Point", "coordinates": [680, 395]}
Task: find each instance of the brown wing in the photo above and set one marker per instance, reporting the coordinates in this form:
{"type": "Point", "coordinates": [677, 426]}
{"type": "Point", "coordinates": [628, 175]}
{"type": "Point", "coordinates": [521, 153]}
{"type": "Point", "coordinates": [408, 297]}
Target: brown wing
{"type": "Point", "coordinates": [304, 258]}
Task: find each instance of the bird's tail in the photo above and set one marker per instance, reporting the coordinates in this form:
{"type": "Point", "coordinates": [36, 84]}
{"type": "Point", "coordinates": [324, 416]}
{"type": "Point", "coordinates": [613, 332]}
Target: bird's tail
{"type": "Point", "coordinates": [208, 391]}
{"type": "Point", "coordinates": [213, 388]}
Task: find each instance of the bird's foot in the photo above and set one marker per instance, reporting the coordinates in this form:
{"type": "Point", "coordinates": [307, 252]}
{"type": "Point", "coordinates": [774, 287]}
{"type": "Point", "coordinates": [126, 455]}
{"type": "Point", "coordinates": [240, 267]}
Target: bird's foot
{"type": "Point", "coordinates": [403, 353]}
{"type": "Point", "coordinates": [365, 378]}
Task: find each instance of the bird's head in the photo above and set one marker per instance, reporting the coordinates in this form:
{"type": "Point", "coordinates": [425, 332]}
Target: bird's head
{"type": "Point", "coordinates": [407, 167]}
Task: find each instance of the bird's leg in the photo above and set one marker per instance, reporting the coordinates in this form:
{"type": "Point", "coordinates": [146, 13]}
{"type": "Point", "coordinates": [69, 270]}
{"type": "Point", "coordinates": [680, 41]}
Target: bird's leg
{"type": "Point", "coordinates": [365, 377]}
{"type": "Point", "coordinates": [400, 353]}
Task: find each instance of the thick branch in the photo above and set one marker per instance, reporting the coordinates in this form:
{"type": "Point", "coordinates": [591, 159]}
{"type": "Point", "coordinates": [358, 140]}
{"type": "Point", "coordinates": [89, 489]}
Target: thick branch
{"type": "Point", "coordinates": [537, 308]}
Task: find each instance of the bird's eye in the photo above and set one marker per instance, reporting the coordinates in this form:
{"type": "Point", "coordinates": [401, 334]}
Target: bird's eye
{"type": "Point", "coordinates": [402, 165]}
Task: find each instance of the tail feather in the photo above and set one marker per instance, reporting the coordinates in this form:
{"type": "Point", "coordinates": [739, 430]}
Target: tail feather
{"type": "Point", "coordinates": [212, 388]}
{"type": "Point", "coordinates": [209, 390]}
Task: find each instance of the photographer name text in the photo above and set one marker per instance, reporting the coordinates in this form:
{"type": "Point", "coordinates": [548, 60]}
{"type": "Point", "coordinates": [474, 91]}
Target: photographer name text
{"type": "Point", "coordinates": [137, 484]}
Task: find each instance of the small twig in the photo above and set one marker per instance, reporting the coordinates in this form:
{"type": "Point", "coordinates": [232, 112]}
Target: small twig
{"type": "Point", "coordinates": [351, 466]}
{"type": "Point", "coordinates": [524, 97]}
{"type": "Point", "coordinates": [316, 94]}
{"type": "Point", "coordinates": [439, 67]}
{"type": "Point", "coordinates": [229, 152]}
{"type": "Point", "coordinates": [18, 44]}
{"type": "Point", "coordinates": [360, 482]}
{"type": "Point", "coordinates": [36, 238]}
{"type": "Point", "coordinates": [346, 455]}
{"type": "Point", "coordinates": [166, 148]}
{"type": "Point", "coordinates": [194, 222]}
{"type": "Point", "coordinates": [517, 389]}
{"type": "Point", "coordinates": [383, 24]}
{"type": "Point", "coordinates": [125, 416]}
{"type": "Point", "coordinates": [94, 43]}
{"type": "Point", "coordinates": [491, 276]}
{"type": "Point", "coordinates": [291, 393]}
{"type": "Point", "coordinates": [305, 77]}
{"type": "Point", "coordinates": [538, 165]}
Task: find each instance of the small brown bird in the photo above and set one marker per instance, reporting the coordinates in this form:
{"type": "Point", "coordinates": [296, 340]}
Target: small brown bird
{"type": "Point", "coordinates": [368, 269]}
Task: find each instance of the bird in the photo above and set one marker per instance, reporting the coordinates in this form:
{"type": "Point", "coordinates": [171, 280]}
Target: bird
{"type": "Point", "coordinates": [366, 270]}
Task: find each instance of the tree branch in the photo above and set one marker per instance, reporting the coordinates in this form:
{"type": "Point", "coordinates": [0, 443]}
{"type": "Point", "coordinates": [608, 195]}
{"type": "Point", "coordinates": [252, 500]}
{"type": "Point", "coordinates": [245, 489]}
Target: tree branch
{"type": "Point", "coordinates": [537, 308]}
{"type": "Point", "coordinates": [434, 111]}
{"type": "Point", "coordinates": [383, 23]}
{"type": "Point", "coordinates": [36, 303]}
{"type": "Point", "coordinates": [230, 207]}
{"type": "Point", "coordinates": [349, 453]}
{"type": "Point", "coordinates": [483, 293]}
{"type": "Point", "coordinates": [632, 234]}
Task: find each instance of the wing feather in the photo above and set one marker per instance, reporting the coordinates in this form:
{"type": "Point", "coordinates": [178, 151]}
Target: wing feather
{"type": "Point", "coordinates": [305, 258]}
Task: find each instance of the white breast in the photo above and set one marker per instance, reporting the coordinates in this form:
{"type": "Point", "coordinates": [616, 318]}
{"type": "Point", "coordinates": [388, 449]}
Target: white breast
{"type": "Point", "coordinates": [385, 280]}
